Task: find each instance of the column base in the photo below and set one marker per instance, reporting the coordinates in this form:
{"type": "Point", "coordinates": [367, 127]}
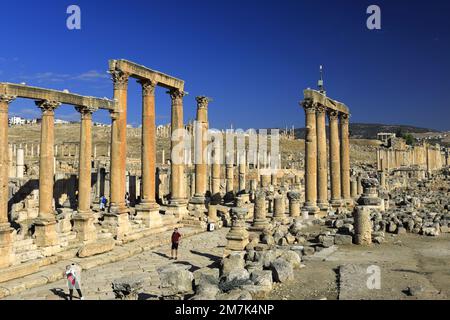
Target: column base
{"type": "Point", "coordinates": [83, 225]}
{"type": "Point", "coordinates": [312, 209]}
{"type": "Point", "coordinates": [198, 203]}
{"type": "Point", "coordinates": [237, 241]}
{"type": "Point", "coordinates": [149, 214]}
{"type": "Point", "coordinates": [6, 246]}
{"type": "Point", "coordinates": [45, 232]}
{"type": "Point", "coordinates": [117, 224]}
{"type": "Point", "coordinates": [323, 205]}
{"type": "Point", "coordinates": [178, 208]}
{"type": "Point", "coordinates": [259, 225]}
{"type": "Point", "coordinates": [242, 199]}
{"type": "Point", "coordinates": [336, 203]}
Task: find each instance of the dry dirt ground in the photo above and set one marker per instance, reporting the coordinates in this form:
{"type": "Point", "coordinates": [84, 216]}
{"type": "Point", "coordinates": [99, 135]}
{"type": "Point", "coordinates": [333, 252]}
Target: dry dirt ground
{"type": "Point", "coordinates": [405, 261]}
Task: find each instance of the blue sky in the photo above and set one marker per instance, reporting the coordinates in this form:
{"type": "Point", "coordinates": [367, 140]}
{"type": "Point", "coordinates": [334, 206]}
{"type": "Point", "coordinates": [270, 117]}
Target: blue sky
{"type": "Point", "coordinates": [254, 58]}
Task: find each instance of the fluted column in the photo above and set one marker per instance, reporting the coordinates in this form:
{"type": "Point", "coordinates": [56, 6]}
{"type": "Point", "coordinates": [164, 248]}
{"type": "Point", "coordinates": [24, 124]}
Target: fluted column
{"type": "Point", "coordinates": [201, 133]}
{"type": "Point", "coordinates": [322, 167]}
{"type": "Point", "coordinates": [6, 257]}
{"type": "Point", "coordinates": [215, 170]}
{"type": "Point", "coordinates": [310, 158]}
{"type": "Point", "coordinates": [345, 159]}
{"type": "Point", "coordinates": [148, 159]}
{"type": "Point", "coordinates": [335, 159]}
{"type": "Point", "coordinates": [119, 143]}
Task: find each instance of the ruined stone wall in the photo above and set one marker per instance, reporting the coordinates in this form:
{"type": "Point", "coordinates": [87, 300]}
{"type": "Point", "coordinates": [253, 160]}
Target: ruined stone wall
{"type": "Point", "coordinates": [423, 156]}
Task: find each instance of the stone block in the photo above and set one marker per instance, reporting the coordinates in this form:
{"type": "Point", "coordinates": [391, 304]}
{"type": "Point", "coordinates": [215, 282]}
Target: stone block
{"type": "Point", "coordinates": [93, 248]}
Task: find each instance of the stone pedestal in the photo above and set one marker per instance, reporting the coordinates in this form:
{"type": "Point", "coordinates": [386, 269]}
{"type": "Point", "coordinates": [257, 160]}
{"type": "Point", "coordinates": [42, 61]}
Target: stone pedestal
{"type": "Point", "coordinates": [279, 208]}
{"type": "Point", "coordinates": [83, 225]}
{"type": "Point", "coordinates": [149, 215]}
{"type": "Point", "coordinates": [6, 246]}
{"type": "Point", "coordinates": [238, 235]}
{"type": "Point", "coordinates": [294, 203]}
{"type": "Point", "coordinates": [212, 214]}
{"type": "Point", "coordinates": [45, 232]}
{"type": "Point", "coordinates": [260, 221]}
{"type": "Point", "coordinates": [179, 210]}
{"type": "Point", "coordinates": [363, 226]}
{"type": "Point", "coordinates": [117, 224]}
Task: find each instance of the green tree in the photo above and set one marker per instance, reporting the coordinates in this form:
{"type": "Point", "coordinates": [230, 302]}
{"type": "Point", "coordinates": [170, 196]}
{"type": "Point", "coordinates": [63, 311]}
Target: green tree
{"type": "Point", "coordinates": [409, 139]}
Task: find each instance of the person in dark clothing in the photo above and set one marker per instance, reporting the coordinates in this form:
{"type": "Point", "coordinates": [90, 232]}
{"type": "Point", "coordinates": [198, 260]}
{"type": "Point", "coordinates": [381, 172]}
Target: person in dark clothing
{"type": "Point", "coordinates": [176, 236]}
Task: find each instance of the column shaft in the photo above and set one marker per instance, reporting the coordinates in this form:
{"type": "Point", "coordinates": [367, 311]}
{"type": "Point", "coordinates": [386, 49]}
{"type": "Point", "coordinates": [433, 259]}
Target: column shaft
{"type": "Point", "coordinates": [84, 183]}
{"type": "Point", "coordinates": [335, 163]}
{"type": "Point", "coordinates": [148, 159]}
{"type": "Point", "coordinates": [46, 162]}
{"type": "Point", "coordinates": [201, 132]}
{"type": "Point", "coordinates": [118, 143]}
{"type": "Point", "coordinates": [345, 158]}
{"type": "Point", "coordinates": [310, 158]}
{"type": "Point", "coordinates": [322, 167]}
{"type": "Point", "coordinates": [4, 158]}
{"type": "Point", "coordinates": [177, 181]}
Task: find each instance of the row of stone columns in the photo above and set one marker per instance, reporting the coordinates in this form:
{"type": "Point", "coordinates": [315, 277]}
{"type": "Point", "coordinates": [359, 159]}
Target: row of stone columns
{"type": "Point", "coordinates": [316, 162]}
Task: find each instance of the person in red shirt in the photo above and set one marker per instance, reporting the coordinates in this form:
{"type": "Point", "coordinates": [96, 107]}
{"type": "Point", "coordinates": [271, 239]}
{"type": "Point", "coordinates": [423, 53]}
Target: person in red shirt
{"type": "Point", "coordinates": [176, 236]}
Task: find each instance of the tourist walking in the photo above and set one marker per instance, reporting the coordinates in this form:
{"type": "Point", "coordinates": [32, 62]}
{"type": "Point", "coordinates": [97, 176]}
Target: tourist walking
{"type": "Point", "coordinates": [73, 275]}
{"type": "Point", "coordinates": [176, 236]}
{"type": "Point", "coordinates": [103, 202]}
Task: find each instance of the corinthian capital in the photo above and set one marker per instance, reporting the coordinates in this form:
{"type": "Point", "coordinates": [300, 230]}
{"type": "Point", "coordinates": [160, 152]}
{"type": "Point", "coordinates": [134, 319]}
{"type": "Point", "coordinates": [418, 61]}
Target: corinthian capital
{"type": "Point", "coordinates": [120, 79]}
{"type": "Point", "coordinates": [176, 95]}
{"type": "Point", "coordinates": [333, 114]}
{"type": "Point", "coordinates": [309, 106]}
{"type": "Point", "coordinates": [344, 117]}
{"type": "Point", "coordinates": [7, 98]}
{"type": "Point", "coordinates": [86, 111]}
{"type": "Point", "coordinates": [202, 101]}
{"type": "Point", "coordinates": [321, 108]}
{"type": "Point", "coordinates": [148, 87]}
{"type": "Point", "coordinates": [48, 105]}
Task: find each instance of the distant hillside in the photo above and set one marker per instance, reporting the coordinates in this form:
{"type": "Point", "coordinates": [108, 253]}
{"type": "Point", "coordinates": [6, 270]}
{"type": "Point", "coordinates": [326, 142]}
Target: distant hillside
{"type": "Point", "coordinates": [370, 130]}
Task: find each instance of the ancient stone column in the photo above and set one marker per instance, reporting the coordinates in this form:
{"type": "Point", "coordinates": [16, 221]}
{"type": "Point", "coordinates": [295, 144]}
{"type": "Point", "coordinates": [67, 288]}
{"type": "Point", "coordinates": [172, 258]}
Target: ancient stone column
{"type": "Point", "coordinates": [260, 221]}
{"type": "Point", "coordinates": [345, 159]}
{"type": "Point", "coordinates": [84, 219]}
{"type": "Point", "coordinates": [274, 179]}
{"type": "Point", "coordinates": [229, 175]}
{"type": "Point", "coordinates": [279, 207]}
{"type": "Point", "coordinates": [215, 170]}
{"type": "Point", "coordinates": [238, 235]}
{"type": "Point", "coordinates": [45, 230]}
{"type": "Point", "coordinates": [363, 226]}
{"type": "Point", "coordinates": [178, 200]}
{"type": "Point", "coordinates": [20, 164]}
{"type": "Point", "coordinates": [119, 144]}
{"type": "Point", "coordinates": [335, 159]}
{"type": "Point", "coordinates": [201, 143]}
{"type": "Point", "coordinates": [359, 184]}
{"type": "Point", "coordinates": [117, 218]}
{"type": "Point", "coordinates": [148, 209]}
{"type": "Point", "coordinates": [212, 213]}
{"type": "Point", "coordinates": [242, 168]}
{"type": "Point", "coordinates": [6, 232]}
{"type": "Point", "coordinates": [354, 188]}
{"type": "Point", "coordinates": [322, 160]}
{"type": "Point", "coordinates": [294, 203]}
{"type": "Point", "coordinates": [310, 158]}
{"type": "Point", "coordinates": [265, 180]}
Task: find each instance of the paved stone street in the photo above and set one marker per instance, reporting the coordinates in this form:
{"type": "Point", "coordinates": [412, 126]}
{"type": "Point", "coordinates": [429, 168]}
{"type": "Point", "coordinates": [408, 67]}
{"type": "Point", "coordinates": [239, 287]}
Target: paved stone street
{"type": "Point", "coordinates": [198, 251]}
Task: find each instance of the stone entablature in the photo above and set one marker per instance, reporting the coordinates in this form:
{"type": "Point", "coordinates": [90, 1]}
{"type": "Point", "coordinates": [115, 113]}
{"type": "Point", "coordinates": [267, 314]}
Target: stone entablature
{"type": "Point", "coordinates": [41, 94]}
